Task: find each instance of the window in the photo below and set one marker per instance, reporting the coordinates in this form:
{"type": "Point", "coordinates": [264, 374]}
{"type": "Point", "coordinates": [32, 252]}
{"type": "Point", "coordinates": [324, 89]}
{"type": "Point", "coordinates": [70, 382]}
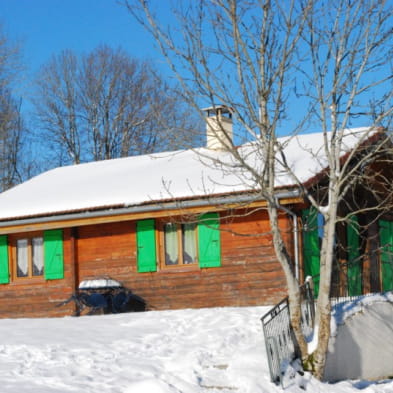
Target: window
{"type": "Point", "coordinates": [28, 253]}
{"type": "Point", "coordinates": [179, 244]}
{"type": "Point", "coordinates": [31, 256]}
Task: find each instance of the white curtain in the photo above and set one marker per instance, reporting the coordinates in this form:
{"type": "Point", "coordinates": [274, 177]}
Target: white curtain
{"type": "Point", "coordinates": [38, 256]}
{"type": "Point", "coordinates": [189, 243]}
{"type": "Point", "coordinates": [171, 246]}
{"type": "Point", "coordinates": [22, 258]}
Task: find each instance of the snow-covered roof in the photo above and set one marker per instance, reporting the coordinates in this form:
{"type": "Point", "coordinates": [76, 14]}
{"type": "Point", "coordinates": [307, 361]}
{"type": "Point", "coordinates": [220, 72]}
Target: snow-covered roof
{"type": "Point", "coordinates": [159, 177]}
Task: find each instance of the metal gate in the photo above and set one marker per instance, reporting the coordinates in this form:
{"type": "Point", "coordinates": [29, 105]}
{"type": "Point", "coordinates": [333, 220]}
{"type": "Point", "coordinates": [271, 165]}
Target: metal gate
{"type": "Point", "coordinates": [280, 340]}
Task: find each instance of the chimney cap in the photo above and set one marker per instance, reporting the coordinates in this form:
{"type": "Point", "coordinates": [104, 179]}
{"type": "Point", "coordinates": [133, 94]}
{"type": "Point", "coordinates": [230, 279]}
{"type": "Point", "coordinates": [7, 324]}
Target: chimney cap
{"type": "Point", "coordinates": [218, 110]}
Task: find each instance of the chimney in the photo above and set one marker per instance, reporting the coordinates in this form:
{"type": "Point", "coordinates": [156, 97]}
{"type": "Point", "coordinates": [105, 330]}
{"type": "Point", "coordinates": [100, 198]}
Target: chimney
{"type": "Point", "coordinates": [219, 127]}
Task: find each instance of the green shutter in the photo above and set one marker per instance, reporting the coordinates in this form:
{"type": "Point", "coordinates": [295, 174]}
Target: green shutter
{"type": "Point", "coordinates": [209, 240]}
{"type": "Point", "coordinates": [386, 243]}
{"type": "Point", "coordinates": [53, 251]}
{"type": "Point", "coordinates": [146, 246]}
{"type": "Point", "coordinates": [311, 247]}
{"type": "Point", "coordinates": [4, 272]}
{"type": "Point", "coordinates": [354, 270]}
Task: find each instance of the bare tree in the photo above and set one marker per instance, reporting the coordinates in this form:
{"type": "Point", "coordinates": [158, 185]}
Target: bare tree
{"type": "Point", "coordinates": [12, 133]}
{"type": "Point", "coordinates": [265, 59]}
{"type": "Point", "coordinates": [9, 59]}
{"type": "Point", "coordinates": [12, 129]}
{"type": "Point", "coordinates": [106, 105]}
{"type": "Point", "coordinates": [57, 103]}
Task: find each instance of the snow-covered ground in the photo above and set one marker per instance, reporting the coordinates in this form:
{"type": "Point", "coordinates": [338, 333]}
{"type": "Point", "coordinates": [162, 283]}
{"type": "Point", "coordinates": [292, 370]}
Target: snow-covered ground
{"type": "Point", "coordinates": [218, 350]}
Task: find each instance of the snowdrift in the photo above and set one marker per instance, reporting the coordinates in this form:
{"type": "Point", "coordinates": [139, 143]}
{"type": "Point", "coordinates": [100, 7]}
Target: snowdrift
{"type": "Point", "coordinates": [360, 346]}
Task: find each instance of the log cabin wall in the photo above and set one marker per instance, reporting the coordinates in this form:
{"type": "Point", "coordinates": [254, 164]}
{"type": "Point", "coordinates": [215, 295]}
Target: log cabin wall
{"type": "Point", "coordinates": [249, 274]}
{"type": "Point", "coordinates": [38, 297]}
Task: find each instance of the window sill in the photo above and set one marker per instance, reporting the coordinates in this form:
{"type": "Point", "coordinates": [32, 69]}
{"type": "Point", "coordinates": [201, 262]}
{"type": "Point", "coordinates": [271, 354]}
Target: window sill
{"type": "Point", "coordinates": [179, 269]}
{"type": "Point", "coordinates": [27, 281]}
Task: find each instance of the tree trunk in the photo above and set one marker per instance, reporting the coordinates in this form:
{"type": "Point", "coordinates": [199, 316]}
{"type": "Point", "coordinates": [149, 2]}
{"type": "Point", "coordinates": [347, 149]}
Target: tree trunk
{"type": "Point", "coordinates": [323, 311]}
{"type": "Point", "coordinates": [293, 285]}
{"type": "Point", "coordinates": [323, 339]}
{"type": "Point", "coordinates": [295, 302]}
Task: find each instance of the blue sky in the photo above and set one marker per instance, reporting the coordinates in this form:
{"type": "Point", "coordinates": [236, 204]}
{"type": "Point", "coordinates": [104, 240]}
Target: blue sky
{"type": "Point", "coordinates": [46, 27]}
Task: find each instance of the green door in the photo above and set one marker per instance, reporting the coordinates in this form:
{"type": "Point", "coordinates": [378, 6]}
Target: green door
{"type": "Point", "coordinates": [386, 244]}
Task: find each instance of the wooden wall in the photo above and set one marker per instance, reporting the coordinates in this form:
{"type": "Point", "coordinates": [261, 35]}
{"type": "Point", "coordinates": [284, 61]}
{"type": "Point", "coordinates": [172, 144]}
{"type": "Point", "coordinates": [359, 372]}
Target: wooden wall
{"type": "Point", "coordinates": [38, 297]}
{"type": "Point", "coordinates": [249, 275]}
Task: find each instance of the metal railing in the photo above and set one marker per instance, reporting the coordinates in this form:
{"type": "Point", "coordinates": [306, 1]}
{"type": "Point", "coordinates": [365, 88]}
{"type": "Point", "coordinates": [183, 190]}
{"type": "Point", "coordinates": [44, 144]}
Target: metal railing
{"type": "Point", "coordinates": [280, 341]}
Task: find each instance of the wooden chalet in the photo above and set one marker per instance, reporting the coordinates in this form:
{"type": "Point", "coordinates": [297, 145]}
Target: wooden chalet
{"type": "Point", "coordinates": [177, 228]}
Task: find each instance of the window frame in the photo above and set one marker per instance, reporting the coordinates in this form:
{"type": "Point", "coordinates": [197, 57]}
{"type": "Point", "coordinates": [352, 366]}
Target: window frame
{"type": "Point", "coordinates": [13, 246]}
{"type": "Point", "coordinates": [179, 236]}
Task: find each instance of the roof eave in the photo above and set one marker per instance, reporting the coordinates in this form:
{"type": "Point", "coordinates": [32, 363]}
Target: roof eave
{"type": "Point", "coordinates": [214, 201]}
